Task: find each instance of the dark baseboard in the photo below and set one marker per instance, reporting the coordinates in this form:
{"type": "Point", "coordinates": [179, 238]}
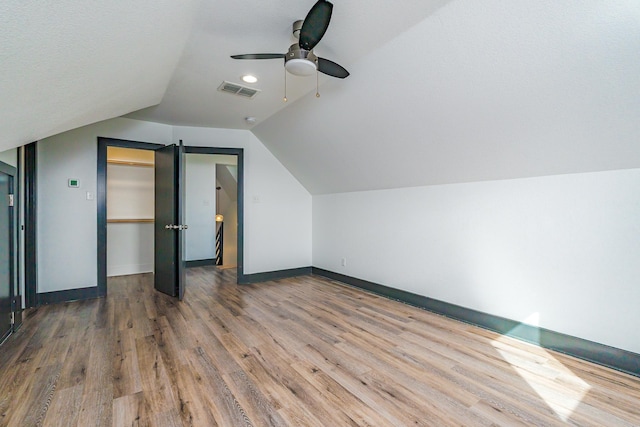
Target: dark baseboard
{"type": "Point", "coordinates": [200, 262]}
{"type": "Point", "coordinates": [621, 360]}
{"type": "Point", "coordinates": [273, 275]}
{"type": "Point", "coordinates": [68, 295]}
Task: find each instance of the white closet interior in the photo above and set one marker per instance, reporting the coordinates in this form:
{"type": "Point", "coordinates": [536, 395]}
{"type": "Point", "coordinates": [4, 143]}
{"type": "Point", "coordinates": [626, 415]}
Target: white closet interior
{"type": "Point", "coordinates": [130, 211]}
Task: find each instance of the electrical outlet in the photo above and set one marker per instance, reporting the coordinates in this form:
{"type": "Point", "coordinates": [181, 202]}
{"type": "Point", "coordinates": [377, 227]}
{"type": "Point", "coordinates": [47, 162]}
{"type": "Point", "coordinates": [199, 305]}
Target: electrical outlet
{"type": "Point", "coordinates": [343, 262]}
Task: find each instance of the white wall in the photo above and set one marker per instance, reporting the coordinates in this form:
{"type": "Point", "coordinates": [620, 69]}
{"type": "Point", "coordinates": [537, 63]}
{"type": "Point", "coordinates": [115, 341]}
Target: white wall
{"type": "Point", "coordinates": [565, 247]}
{"type": "Point", "coordinates": [277, 208]}
{"type": "Point", "coordinates": [200, 206]}
{"type": "Point", "coordinates": [129, 248]}
{"type": "Point", "coordinates": [130, 192]}
{"type": "Point", "coordinates": [67, 221]}
{"type": "Point", "coordinates": [200, 209]}
{"type": "Point", "coordinates": [130, 195]}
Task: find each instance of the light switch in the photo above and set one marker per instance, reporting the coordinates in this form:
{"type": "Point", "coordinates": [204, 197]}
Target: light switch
{"type": "Point", "coordinates": [90, 195]}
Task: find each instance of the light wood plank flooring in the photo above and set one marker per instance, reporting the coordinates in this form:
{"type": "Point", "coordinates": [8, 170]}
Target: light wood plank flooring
{"type": "Point", "coordinates": [296, 352]}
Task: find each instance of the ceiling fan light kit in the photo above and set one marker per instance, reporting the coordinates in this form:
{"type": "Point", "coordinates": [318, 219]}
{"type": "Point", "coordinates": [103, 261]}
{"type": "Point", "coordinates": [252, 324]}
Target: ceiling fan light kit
{"type": "Point", "coordinates": [300, 59]}
{"type": "Point", "coordinates": [300, 62]}
{"type": "Point", "coordinates": [248, 78]}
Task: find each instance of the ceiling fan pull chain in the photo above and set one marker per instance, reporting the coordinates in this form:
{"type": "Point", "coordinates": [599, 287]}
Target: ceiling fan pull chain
{"type": "Point", "coordinates": [317, 90]}
{"type": "Point", "coordinates": [285, 86]}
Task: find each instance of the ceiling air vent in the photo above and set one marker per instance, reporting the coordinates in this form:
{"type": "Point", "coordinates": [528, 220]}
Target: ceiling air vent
{"type": "Point", "coordinates": [236, 89]}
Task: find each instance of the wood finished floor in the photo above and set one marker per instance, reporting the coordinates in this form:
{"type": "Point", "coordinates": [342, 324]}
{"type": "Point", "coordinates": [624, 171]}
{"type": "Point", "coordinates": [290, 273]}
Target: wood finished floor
{"type": "Point", "coordinates": [296, 352]}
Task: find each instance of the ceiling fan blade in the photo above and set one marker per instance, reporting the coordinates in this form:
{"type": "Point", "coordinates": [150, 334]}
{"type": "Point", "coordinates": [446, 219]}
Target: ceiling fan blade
{"type": "Point", "coordinates": [332, 69]}
{"type": "Point", "coordinates": [259, 56]}
{"type": "Point", "coordinates": [315, 24]}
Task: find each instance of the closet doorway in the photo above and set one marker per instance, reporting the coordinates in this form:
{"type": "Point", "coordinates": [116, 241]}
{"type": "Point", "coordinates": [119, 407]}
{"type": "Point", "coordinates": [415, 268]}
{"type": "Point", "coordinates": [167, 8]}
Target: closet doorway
{"type": "Point", "coordinates": [231, 162]}
{"type": "Point", "coordinates": [130, 211]}
{"type": "Point", "coordinates": [116, 228]}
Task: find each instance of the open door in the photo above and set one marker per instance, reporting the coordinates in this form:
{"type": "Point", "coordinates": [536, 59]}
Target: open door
{"type": "Point", "coordinates": [169, 276]}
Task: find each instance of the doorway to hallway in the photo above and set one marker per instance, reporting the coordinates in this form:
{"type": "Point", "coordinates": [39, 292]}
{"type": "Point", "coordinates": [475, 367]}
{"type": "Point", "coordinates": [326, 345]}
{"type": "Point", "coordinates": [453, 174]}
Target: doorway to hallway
{"type": "Point", "coordinates": [101, 199]}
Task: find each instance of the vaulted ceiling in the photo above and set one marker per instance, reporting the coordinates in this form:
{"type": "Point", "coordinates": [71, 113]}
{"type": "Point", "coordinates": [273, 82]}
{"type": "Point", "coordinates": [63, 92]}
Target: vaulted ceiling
{"type": "Point", "coordinates": [69, 63]}
{"type": "Point", "coordinates": [439, 92]}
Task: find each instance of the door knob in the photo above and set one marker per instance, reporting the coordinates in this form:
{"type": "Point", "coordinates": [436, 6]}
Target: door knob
{"type": "Point", "coordinates": [176, 227]}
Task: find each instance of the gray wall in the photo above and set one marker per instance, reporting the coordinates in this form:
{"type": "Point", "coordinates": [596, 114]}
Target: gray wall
{"type": "Point", "coordinates": [67, 223]}
{"type": "Point", "coordinates": [10, 157]}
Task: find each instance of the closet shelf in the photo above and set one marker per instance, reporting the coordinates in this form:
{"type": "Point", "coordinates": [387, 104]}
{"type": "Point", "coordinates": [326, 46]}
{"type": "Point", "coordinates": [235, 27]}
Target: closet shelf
{"type": "Point", "coordinates": [130, 220]}
{"type": "Point", "coordinates": [129, 163]}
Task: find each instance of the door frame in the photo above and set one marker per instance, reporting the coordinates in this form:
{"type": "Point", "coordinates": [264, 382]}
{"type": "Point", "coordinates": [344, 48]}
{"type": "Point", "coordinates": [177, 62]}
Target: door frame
{"type": "Point", "coordinates": [101, 198]}
{"type": "Point", "coordinates": [30, 219]}
{"type": "Point", "coordinates": [239, 152]}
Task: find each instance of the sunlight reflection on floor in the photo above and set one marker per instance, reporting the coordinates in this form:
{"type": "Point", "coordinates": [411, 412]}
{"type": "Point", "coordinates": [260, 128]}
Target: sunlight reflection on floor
{"type": "Point", "coordinates": [557, 385]}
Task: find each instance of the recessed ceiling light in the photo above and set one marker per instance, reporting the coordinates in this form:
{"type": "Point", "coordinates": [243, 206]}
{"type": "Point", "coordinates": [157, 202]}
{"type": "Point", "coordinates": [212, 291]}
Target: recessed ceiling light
{"type": "Point", "coordinates": [248, 78]}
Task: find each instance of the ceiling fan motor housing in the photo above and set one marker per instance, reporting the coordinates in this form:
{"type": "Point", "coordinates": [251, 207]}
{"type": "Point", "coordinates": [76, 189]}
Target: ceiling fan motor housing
{"type": "Point", "coordinates": [300, 62]}
{"type": "Point", "coordinates": [297, 26]}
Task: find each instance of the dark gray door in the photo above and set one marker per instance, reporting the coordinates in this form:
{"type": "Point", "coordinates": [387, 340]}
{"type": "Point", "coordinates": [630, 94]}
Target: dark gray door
{"type": "Point", "coordinates": [6, 251]}
{"type": "Point", "coordinates": [169, 269]}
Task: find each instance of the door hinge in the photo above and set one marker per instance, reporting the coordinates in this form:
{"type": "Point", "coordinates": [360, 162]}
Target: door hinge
{"type": "Point", "coordinates": [13, 317]}
{"type": "Point", "coordinates": [10, 199]}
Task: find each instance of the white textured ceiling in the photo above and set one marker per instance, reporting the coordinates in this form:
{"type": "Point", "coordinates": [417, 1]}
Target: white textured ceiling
{"type": "Point", "coordinates": [446, 91]}
{"type": "Point", "coordinates": [477, 91]}
{"type": "Point", "coordinates": [228, 28]}
{"type": "Point", "coordinates": [68, 63]}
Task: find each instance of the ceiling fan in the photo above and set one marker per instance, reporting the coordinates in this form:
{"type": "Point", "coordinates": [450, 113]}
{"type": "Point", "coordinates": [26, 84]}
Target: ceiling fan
{"type": "Point", "coordinates": [300, 59]}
